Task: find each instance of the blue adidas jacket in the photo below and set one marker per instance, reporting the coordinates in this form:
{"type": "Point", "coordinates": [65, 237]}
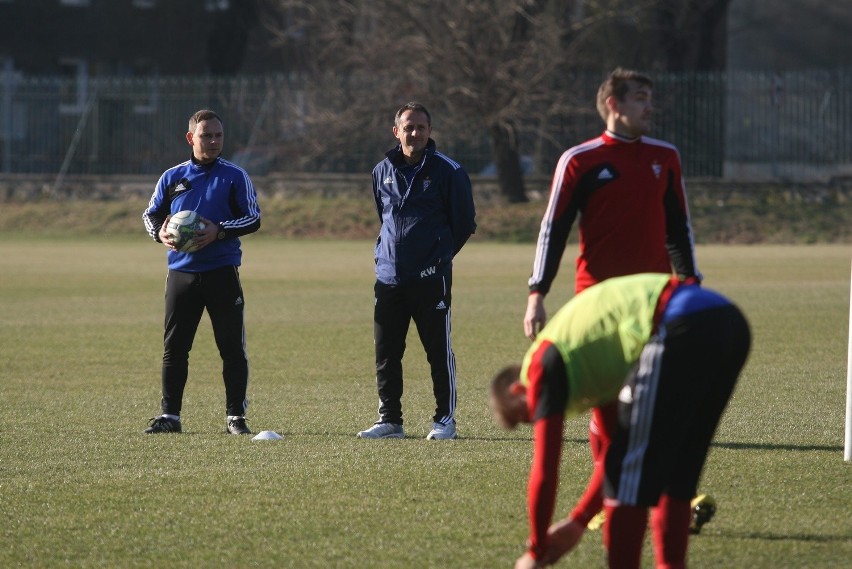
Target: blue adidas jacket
{"type": "Point", "coordinates": [220, 191]}
{"type": "Point", "coordinates": [424, 224]}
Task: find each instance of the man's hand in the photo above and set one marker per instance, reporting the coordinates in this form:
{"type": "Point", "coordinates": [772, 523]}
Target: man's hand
{"type": "Point", "coordinates": [526, 561]}
{"type": "Point", "coordinates": [206, 236]}
{"type": "Point", "coordinates": [166, 237]}
{"type": "Point", "coordinates": [203, 237]}
{"type": "Point", "coordinates": [536, 317]}
{"type": "Point", "coordinates": [562, 537]}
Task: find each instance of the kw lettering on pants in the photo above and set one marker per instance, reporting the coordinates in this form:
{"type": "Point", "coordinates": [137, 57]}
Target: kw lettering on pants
{"type": "Point", "coordinates": [429, 271]}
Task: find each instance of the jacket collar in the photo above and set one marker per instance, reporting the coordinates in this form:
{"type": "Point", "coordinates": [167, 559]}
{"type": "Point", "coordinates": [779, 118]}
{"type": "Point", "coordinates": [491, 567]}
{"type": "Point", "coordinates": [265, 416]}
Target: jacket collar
{"type": "Point", "coordinates": [206, 166]}
{"type": "Point", "coordinates": [611, 136]}
{"type": "Point", "coordinates": [395, 154]}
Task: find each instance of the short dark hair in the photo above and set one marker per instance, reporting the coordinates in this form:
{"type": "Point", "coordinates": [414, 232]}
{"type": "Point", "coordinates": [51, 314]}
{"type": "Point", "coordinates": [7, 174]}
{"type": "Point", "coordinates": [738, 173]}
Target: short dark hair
{"type": "Point", "coordinates": [414, 107]}
{"type": "Point", "coordinates": [617, 84]}
{"type": "Point", "coordinates": [202, 115]}
{"type": "Point", "coordinates": [504, 378]}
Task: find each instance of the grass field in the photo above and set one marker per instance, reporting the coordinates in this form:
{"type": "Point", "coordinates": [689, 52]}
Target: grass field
{"type": "Point", "coordinates": [81, 486]}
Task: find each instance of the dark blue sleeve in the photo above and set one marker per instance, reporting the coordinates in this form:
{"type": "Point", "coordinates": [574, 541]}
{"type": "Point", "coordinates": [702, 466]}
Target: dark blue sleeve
{"type": "Point", "coordinates": [462, 212]}
{"type": "Point", "coordinates": [158, 209]}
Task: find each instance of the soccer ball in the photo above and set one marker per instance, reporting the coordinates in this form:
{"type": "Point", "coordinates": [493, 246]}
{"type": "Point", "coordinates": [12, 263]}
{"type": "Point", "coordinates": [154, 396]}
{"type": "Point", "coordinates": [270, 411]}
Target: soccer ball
{"type": "Point", "coordinates": [182, 227]}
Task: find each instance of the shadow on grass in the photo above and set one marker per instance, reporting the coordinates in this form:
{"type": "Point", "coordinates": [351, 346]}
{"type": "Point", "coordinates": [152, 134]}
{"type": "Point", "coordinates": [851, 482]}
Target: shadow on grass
{"type": "Point", "coordinates": [412, 437]}
{"type": "Point", "coordinates": [770, 446]}
{"type": "Point", "coordinates": [767, 536]}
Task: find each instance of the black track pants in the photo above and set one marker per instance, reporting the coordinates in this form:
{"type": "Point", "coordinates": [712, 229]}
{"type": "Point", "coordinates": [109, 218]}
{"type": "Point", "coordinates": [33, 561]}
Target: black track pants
{"type": "Point", "coordinates": [187, 295]}
{"type": "Point", "coordinates": [427, 302]}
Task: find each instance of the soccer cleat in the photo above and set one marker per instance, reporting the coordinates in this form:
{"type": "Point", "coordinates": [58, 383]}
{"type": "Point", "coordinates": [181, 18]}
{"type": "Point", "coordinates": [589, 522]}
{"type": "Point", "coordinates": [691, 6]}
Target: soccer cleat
{"type": "Point", "coordinates": [383, 431]}
{"type": "Point", "coordinates": [703, 508]}
{"type": "Point", "coordinates": [162, 425]}
{"type": "Point", "coordinates": [597, 522]}
{"type": "Point", "coordinates": [237, 426]}
{"type": "Point", "coordinates": [442, 432]}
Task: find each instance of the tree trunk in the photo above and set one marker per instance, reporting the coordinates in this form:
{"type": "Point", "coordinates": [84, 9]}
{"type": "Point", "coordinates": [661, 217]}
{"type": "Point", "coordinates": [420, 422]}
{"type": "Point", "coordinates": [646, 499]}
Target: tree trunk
{"type": "Point", "coordinates": [508, 161]}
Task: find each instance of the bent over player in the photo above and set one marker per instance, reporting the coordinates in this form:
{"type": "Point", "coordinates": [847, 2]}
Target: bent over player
{"type": "Point", "coordinates": [669, 354]}
{"type": "Point", "coordinates": [223, 194]}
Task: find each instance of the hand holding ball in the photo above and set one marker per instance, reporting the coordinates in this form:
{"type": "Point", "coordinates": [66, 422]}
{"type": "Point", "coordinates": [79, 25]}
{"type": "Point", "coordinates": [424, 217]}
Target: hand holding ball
{"type": "Point", "coordinates": [182, 227]}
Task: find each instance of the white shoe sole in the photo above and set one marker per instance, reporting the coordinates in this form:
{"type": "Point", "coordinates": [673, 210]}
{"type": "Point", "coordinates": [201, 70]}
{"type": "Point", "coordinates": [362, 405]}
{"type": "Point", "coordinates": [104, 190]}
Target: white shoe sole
{"type": "Point", "coordinates": [369, 435]}
{"type": "Point", "coordinates": [435, 437]}
{"type": "Point", "coordinates": [393, 436]}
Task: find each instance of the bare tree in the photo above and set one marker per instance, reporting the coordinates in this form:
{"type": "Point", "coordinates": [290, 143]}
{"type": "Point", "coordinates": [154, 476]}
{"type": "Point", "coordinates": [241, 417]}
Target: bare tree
{"type": "Point", "coordinates": [493, 70]}
{"type": "Point", "coordinates": [487, 65]}
{"type": "Point", "coordinates": [690, 33]}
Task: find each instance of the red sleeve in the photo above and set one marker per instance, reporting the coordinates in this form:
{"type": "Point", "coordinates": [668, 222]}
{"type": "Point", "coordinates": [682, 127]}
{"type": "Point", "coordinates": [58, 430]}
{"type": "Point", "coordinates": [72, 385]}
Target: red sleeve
{"type": "Point", "coordinates": [544, 479]}
{"type": "Point", "coordinates": [555, 225]}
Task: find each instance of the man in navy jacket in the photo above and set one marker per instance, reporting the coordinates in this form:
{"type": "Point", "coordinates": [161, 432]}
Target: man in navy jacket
{"type": "Point", "coordinates": [425, 205]}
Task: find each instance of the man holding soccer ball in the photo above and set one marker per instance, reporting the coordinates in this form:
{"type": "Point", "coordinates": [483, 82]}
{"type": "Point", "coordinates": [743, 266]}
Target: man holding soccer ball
{"type": "Point", "coordinates": [204, 275]}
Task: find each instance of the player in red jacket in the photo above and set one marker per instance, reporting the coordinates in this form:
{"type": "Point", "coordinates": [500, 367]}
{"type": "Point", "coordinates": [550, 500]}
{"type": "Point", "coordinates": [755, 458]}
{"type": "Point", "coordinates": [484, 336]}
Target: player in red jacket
{"type": "Point", "coordinates": [627, 191]}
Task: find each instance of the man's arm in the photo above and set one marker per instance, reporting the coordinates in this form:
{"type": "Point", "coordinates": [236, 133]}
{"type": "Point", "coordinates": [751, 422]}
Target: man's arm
{"type": "Point", "coordinates": [247, 210]}
{"type": "Point", "coordinates": [679, 239]}
{"type": "Point", "coordinates": [544, 480]}
{"type": "Point", "coordinates": [555, 227]}
{"type": "Point", "coordinates": [547, 395]}
{"type": "Point", "coordinates": [462, 212]}
{"type": "Point", "coordinates": [535, 317]}
{"type": "Point", "coordinates": [157, 212]}
{"type": "Point", "coordinates": [377, 196]}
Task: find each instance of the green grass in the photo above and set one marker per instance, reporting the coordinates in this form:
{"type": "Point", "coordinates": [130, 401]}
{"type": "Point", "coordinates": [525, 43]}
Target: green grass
{"type": "Point", "coordinates": [81, 486]}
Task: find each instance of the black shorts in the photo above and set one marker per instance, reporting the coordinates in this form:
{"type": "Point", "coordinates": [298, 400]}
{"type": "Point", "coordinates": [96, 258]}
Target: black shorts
{"type": "Point", "coordinates": [671, 405]}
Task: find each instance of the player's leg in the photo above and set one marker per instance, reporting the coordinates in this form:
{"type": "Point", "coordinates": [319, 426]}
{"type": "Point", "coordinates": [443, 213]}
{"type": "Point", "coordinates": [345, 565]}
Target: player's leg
{"type": "Point", "coordinates": [635, 460]}
{"type": "Point", "coordinates": [664, 396]}
{"type": "Point", "coordinates": [714, 349]}
{"type": "Point", "coordinates": [704, 352]}
{"type": "Point", "coordinates": [184, 307]}
{"type": "Point", "coordinates": [391, 319]}
{"type": "Point", "coordinates": [223, 295]}
{"type": "Point", "coordinates": [602, 425]}
{"type": "Point", "coordinates": [431, 306]}
{"type": "Point", "coordinates": [670, 520]}
{"type": "Point", "coordinates": [625, 533]}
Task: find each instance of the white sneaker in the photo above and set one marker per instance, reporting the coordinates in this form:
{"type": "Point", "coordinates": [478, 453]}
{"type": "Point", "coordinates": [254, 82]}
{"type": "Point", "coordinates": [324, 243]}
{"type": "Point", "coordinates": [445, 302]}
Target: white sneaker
{"type": "Point", "coordinates": [383, 431]}
{"type": "Point", "coordinates": [442, 432]}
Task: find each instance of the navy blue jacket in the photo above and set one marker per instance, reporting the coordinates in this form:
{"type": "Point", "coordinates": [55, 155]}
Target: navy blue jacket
{"type": "Point", "coordinates": [424, 224]}
{"type": "Point", "coordinates": [220, 191]}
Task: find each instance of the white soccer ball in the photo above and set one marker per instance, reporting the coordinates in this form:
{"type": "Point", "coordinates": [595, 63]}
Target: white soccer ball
{"type": "Point", "coordinates": [182, 227]}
